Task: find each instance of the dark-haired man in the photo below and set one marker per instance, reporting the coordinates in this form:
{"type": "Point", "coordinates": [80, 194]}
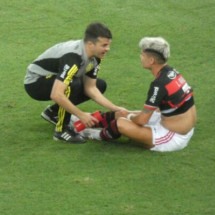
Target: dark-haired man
{"type": "Point", "coordinates": [67, 74]}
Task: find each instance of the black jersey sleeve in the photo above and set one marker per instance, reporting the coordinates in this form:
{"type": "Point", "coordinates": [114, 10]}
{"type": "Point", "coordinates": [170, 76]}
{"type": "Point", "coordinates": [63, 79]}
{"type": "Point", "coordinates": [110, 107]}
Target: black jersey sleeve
{"type": "Point", "coordinates": [68, 66]}
{"type": "Point", "coordinates": [155, 95]}
{"type": "Point", "coordinates": [93, 73]}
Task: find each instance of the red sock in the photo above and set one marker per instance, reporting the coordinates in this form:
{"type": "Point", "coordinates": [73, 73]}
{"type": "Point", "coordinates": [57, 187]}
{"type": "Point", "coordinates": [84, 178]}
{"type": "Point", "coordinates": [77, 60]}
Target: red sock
{"type": "Point", "coordinates": [107, 117]}
{"type": "Point", "coordinates": [111, 131]}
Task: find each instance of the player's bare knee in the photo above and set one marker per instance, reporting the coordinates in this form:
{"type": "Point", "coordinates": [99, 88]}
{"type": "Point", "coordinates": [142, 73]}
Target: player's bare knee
{"type": "Point", "coordinates": [121, 124]}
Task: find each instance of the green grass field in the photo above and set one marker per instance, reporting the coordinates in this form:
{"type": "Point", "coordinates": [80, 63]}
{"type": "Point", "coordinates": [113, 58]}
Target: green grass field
{"type": "Point", "coordinates": [39, 176]}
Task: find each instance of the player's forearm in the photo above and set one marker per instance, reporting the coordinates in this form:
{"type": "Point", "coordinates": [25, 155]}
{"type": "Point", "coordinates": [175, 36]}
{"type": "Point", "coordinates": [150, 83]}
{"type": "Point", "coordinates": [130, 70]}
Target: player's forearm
{"type": "Point", "coordinates": [100, 99]}
{"type": "Point", "coordinates": [66, 104]}
{"type": "Point", "coordinates": [103, 101]}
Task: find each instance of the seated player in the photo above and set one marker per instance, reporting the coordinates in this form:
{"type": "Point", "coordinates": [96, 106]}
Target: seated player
{"type": "Point", "coordinates": [167, 120]}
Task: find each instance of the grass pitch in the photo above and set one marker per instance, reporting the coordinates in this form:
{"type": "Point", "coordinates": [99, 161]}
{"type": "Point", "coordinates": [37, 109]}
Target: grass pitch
{"type": "Point", "coordinates": [41, 176]}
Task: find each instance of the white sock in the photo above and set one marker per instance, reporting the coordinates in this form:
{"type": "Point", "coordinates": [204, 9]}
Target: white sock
{"type": "Point", "coordinates": [91, 133]}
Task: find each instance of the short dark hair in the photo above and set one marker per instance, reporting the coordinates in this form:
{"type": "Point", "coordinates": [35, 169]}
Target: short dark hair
{"type": "Point", "coordinates": [158, 55]}
{"type": "Point", "coordinates": [95, 30]}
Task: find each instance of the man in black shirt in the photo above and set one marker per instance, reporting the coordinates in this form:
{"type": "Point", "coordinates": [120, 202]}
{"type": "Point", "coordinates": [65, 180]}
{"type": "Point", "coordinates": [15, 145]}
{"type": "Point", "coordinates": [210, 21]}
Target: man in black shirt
{"type": "Point", "coordinates": [67, 74]}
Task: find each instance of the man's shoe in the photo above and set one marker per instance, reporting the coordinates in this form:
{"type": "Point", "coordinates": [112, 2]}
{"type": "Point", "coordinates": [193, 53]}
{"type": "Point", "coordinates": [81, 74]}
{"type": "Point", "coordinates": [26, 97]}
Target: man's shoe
{"type": "Point", "coordinates": [49, 115]}
{"type": "Point", "coordinates": [69, 135]}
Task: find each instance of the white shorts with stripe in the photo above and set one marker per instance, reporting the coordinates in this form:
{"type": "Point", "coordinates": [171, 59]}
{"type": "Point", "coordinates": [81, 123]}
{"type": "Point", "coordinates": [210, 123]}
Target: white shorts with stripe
{"type": "Point", "coordinates": [165, 140]}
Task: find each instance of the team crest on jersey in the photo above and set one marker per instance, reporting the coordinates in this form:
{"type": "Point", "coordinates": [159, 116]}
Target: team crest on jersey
{"type": "Point", "coordinates": [171, 74]}
{"type": "Point", "coordinates": [89, 67]}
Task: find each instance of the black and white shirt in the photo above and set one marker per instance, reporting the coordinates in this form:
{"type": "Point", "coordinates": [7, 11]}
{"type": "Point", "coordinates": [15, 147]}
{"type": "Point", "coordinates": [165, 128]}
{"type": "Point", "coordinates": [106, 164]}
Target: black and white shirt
{"type": "Point", "coordinates": [66, 60]}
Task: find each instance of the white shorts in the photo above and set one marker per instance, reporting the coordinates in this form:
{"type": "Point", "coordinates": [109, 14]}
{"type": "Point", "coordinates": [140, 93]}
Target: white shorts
{"type": "Point", "coordinates": [165, 140]}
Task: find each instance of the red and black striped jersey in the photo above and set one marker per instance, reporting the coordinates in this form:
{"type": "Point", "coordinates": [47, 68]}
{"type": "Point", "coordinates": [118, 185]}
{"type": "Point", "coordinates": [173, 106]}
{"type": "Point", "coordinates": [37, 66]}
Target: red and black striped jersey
{"type": "Point", "coordinates": [170, 93]}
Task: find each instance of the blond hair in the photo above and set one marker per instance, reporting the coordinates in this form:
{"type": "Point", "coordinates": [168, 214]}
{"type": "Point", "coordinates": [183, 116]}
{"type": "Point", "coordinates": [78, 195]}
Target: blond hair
{"type": "Point", "coordinates": [156, 45]}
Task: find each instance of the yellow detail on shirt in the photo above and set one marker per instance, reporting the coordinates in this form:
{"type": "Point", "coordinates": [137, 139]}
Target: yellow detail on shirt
{"type": "Point", "coordinates": [89, 67]}
{"type": "Point", "coordinates": [48, 76]}
{"type": "Point", "coordinates": [70, 74]}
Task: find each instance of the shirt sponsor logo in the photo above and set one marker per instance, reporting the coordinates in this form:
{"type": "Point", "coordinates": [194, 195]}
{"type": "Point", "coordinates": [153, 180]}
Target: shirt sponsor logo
{"type": "Point", "coordinates": [186, 88]}
{"type": "Point", "coordinates": [96, 70]}
{"type": "Point", "coordinates": [65, 69]}
{"type": "Point", "coordinates": [89, 67]}
{"type": "Point", "coordinates": [155, 93]}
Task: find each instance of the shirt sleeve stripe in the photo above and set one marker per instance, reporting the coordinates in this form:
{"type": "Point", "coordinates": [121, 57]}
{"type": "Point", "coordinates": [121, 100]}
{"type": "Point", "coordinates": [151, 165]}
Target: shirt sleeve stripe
{"type": "Point", "coordinates": [149, 107]}
{"type": "Point", "coordinates": [70, 74]}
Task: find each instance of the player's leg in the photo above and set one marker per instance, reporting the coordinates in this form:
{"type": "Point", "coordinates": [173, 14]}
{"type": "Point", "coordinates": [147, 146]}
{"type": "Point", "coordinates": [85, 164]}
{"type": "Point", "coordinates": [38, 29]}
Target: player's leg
{"type": "Point", "coordinates": [77, 90]}
{"type": "Point", "coordinates": [122, 126]}
{"type": "Point", "coordinates": [41, 89]}
{"type": "Point", "coordinates": [77, 95]}
{"type": "Point", "coordinates": [63, 131]}
{"type": "Point", "coordinates": [140, 134]}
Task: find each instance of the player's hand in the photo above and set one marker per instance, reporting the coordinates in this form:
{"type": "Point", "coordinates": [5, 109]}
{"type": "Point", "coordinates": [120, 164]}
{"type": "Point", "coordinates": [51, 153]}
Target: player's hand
{"type": "Point", "coordinates": [88, 120]}
{"type": "Point", "coordinates": [121, 113]}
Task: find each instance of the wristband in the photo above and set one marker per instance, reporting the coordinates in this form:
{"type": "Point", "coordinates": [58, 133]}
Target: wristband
{"type": "Point", "coordinates": [130, 115]}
